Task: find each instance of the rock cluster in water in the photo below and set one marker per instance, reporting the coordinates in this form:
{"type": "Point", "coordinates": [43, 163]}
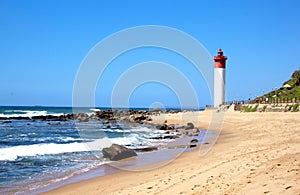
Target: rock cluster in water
{"type": "Point", "coordinates": [109, 117]}
{"type": "Point", "coordinates": [138, 116]}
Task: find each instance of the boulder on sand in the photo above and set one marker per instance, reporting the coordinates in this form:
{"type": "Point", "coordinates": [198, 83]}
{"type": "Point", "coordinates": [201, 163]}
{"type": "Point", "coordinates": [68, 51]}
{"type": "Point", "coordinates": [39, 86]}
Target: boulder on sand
{"type": "Point", "coordinates": [116, 152]}
{"type": "Point", "coordinates": [189, 126]}
{"type": "Point", "coordinates": [193, 143]}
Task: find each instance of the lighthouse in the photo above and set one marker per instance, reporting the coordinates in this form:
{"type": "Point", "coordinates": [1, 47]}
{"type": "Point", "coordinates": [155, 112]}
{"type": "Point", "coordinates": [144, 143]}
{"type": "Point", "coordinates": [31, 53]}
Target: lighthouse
{"type": "Point", "coordinates": [219, 79]}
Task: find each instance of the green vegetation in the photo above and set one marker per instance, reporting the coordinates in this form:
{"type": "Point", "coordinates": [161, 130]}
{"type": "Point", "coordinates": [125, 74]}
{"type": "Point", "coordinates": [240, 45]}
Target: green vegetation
{"type": "Point", "coordinates": [255, 108]}
{"type": "Point", "coordinates": [296, 74]}
{"type": "Point", "coordinates": [289, 107]}
{"type": "Point", "coordinates": [264, 108]}
{"type": "Point", "coordinates": [289, 92]}
{"type": "Point", "coordinates": [249, 108]}
{"type": "Point", "coordinates": [245, 108]}
{"type": "Point", "coordinates": [295, 107]}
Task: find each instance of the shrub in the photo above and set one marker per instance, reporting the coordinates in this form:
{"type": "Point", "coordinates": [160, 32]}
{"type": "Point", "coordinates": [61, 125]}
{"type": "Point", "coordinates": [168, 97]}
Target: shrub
{"type": "Point", "coordinates": [245, 109]}
{"type": "Point", "coordinates": [254, 109]}
{"type": "Point", "coordinates": [249, 108]}
{"type": "Point", "coordinates": [296, 74]}
{"type": "Point", "coordinates": [295, 107]}
{"type": "Point", "coordinates": [264, 108]}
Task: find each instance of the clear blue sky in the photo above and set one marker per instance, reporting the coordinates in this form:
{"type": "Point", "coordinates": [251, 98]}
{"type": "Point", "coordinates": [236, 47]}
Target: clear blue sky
{"type": "Point", "coordinates": [42, 44]}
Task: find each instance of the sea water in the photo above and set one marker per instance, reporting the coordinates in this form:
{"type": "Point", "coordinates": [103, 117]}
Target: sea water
{"type": "Point", "coordinates": [35, 151]}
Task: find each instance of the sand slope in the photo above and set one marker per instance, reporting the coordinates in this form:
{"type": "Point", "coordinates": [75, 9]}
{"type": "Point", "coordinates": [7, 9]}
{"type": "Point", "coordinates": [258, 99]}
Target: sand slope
{"type": "Point", "coordinates": [257, 153]}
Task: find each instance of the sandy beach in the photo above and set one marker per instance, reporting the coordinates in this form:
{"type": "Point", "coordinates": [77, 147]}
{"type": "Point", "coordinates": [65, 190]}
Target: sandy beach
{"type": "Point", "coordinates": [256, 153]}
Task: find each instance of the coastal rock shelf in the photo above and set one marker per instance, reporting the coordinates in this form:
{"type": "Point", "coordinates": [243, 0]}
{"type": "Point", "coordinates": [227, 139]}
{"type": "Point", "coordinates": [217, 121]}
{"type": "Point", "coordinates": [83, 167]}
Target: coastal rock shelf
{"type": "Point", "coordinates": [137, 116]}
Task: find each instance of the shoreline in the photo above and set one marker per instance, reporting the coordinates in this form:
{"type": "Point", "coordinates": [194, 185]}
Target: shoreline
{"type": "Point", "coordinates": [143, 162]}
{"type": "Point", "coordinates": [256, 153]}
{"type": "Point", "coordinates": [113, 169]}
{"type": "Point", "coordinates": [163, 155]}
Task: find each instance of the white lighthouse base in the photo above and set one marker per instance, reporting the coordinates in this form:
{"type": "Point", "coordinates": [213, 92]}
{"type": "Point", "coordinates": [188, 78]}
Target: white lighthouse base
{"type": "Point", "coordinates": [219, 87]}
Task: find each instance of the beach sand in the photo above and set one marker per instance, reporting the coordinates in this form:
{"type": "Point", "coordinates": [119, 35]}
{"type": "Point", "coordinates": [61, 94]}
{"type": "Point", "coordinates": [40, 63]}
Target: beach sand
{"type": "Point", "coordinates": [257, 153]}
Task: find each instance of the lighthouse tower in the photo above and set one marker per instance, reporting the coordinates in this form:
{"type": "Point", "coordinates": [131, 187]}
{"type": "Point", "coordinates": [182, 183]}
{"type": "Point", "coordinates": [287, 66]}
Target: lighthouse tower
{"type": "Point", "coordinates": [219, 79]}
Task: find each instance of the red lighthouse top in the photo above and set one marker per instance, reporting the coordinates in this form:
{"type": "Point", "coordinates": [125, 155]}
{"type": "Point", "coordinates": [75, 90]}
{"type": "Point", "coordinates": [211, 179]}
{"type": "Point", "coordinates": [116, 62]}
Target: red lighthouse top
{"type": "Point", "coordinates": [220, 60]}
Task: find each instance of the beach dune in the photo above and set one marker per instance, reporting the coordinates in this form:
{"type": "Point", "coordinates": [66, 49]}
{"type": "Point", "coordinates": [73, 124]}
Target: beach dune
{"type": "Point", "coordinates": [256, 153]}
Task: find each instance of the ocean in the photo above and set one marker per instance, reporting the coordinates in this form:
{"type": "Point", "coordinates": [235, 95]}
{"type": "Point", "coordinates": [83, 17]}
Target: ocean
{"type": "Point", "coordinates": [37, 153]}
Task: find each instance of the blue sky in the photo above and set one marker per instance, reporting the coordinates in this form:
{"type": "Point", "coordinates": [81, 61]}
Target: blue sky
{"type": "Point", "coordinates": [42, 44]}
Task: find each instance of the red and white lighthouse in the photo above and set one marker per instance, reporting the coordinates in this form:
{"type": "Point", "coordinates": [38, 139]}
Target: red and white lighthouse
{"type": "Point", "coordinates": [219, 79]}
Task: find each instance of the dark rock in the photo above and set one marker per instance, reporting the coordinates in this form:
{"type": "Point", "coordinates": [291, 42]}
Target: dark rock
{"type": "Point", "coordinates": [165, 127]}
{"type": "Point", "coordinates": [50, 118]}
{"type": "Point", "coordinates": [162, 127]}
{"type": "Point", "coordinates": [193, 145]}
{"type": "Point", "coordinates": [116, 152]}
{"type": "Point", "coordinates": [38, 117]}
{"type": "Point", "coordinates": [96, 117]}
{"type": "Point", "coordinates": [106, 114]}
{"type": "Point", "coordinates": [170, 136]}
{"type": "Point", "coordinates": [166, 137]}
{"type": "Point", "coordinates": [147, 149]}
{"type": "Point", "coordinates": [140, 118]}
{"type": "Point", "coordinates": [189, 126]}
{"type": "Point", "coordinates": [70, 116]}
{"type": "Point", "coordinates": [62, 118]}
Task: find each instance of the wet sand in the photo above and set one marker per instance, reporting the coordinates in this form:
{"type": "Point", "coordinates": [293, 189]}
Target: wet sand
{"type": "Point", "coordinates": [257, 153]}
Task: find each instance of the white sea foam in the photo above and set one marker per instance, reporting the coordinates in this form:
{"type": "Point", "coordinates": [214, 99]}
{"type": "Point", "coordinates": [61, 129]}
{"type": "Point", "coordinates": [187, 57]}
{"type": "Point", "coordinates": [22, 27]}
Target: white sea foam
{"type": "Point", "coordinates": [12, 153]}
{"type": "Point", "coordinates": [143, 129]}
{"type": "Point", "coordinates": [95, 109]}
{"type": "Point", "coordinates": [138, 136]}
{"type": "Point", "coordinates": [29, 113]}
{"type": "Point", "coordinates": [131, 140]}
{"type": "Point", "coordinates": [133, 130]}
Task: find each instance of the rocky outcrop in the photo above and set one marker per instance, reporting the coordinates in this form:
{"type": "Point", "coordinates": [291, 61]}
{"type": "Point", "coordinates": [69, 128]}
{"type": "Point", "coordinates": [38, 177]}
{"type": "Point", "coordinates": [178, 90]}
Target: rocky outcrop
{"type": "Point", "coordinates": [165, 127]}
{"type": "Point", "coordinates": [136, 116]}
{"type": "Point", "coordinates": [116, 152]}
